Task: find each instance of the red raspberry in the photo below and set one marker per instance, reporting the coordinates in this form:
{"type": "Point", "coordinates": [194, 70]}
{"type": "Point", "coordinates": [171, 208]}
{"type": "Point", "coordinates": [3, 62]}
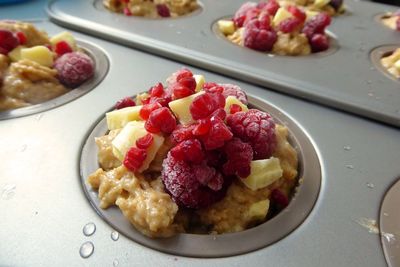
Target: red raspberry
{"type": "Point", "coordinates": [235, 108]}
{"type": "Point", "coordinates": [202, 127]}
{"type": "Point", "coordinates": [398, 24]}
{"type": "Point", "coordinates": [280, 200]}
{"type": "Point", "coordinates": [204, 105]}
{"type": "Point", "coordinates": [145, 142]}
{"type": "Point", "coordinates": [234, 90]}
{"type": "Point", "coordinates": [62, 48]}
{"type": "Point", "coordinates": [163, 10]}
{"type": "Point", "coordinates": [192, 185]}
{"type": "Point", "coordinates": [189, 151]}
{"type": "Point", "coordinates": [257, 38]}
{"type": "Point", "coordinates": [157, 90]}
{"type": "Point", "coordinates": [183, 73]}
{"type": "Point", "coordinates": [188, 82]}
{"type": "Point", "coordinates": [21, 37]}
{"type": "Point", "coordinates": [218, 114]}
{"type": "Point", "coordinates": [125, 102]}
{"type": "Point", "coordinates": [218, 134]}
{"type": "Point", "coordinates": [74, 68]}
{"type": "Point", "coordinates": [181, 91]}
{"type": "Point", "coordinates": [271, 7]}
{"type": "Point", "coordinates": [147, 109]}
{"type": "Point", "coordinates": [160, 120]}
{"type": "Point", "coordinates": [134, 158]}
{"type": "Point", "coordinates": [7, 41]}
{"type": "Point", "coordinates": [297, 13]}
{"type": "Point", "coordinates": [250, 15]}
{"type": "Point", "coordinates": [240, 15]}
{"type": "Point", "coordinates": [127, 11]}
{"type": "Point", "coordinates": [316, 24]}
{"type": "Point", "coordinates": [257, 128]}
{"type": "Point", "coordinates": [265, 21]}
{"type": "Point", "coordinates": [289, 25]}
{"type": "Point", "coordinates": [182, 133]}
{"type": "Point", "coordinates": [319, 42]}
{"type": "Point", "coordinates": [213, 88]}
{"type": "Point", "coordinates": [239, 155]}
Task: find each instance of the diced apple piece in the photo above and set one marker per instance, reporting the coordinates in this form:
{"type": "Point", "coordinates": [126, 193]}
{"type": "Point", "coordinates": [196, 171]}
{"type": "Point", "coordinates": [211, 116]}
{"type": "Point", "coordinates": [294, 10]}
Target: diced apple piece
{"type": "Point", "coordinates": [310, 14]}
{"type": "Point", "coordinates": [64, 36]}
{"type": "Point", "coordinates": [40, 54]}
{"type": "Point", "coordinates": [15, 54]}
{"type": "Point", "coordinates": [263, 173]}
{"type": "Point", "coordinates": [180, 108]}
{"type": "Point", "coordinates": [321, 3]}
{"type": "Point", "coordinates": [117, 119]}
{"type": "Point", "coordinates": [199, 82]}
{"type": "Point", "coordinates": [281, 15]}
{"type": "Point", "coordinates": [258, 210]}
{"type": "Point", "coordinates": [230, 100]}
{"type": "Point", "coordinates": [397, 65]}
{"type": "Point", "coordinates": [127, 139]}
{"type": "Point", "coordinates": [227, 27]}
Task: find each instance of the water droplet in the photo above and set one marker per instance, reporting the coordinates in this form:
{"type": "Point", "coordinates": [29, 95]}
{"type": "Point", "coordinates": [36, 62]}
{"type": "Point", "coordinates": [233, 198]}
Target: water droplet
{"type": "Point", "coordinates": [370, 94]}
{"type": "Point", "coordinates": [178, 32]}
{"type": "Point", "coordinates": [372, 68]}
{"type": "Point", "coordinates": [89, 229]}
{"type": "Point", "coordinates": [390, 238]}
{"type": "Point", "coordinates": [370, 185]}
{"type": "Point", "coordinates": [86, 249]}
{"type": "Point", "coordinates": [385, 214]}
{"type": "Point", "coordinates": [115, 263]}
{"type": "Point", "coordinates": [347, 148]}
{"type": "Point", "coordinates": [349, 166]}
{"type": "Point", "coordinates": [8, 191]}
{"type": "Point", "coordinates": [369, 82]}
{"type": "Point", "coordinates": [214, 237]}
{"type": "Point", "coordinates": [23, 148]}
{"type": "Point", "coordinates": [39, 117]}
{"type": "Point", "coordinates": [361, 49]}
{"type": "Point", "coordinates": [114, 235]}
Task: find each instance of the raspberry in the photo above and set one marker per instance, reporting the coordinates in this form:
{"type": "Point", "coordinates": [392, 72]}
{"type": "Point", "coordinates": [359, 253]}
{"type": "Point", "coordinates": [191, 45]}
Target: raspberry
{"type": "Point", "coordinates": [316, 24]}
{"type": "Point", "coordinates": [189, 151]}
{"type": "Point", "coordinates": [183, 73]}
{"type": "Point", "coordinates": [319, 42]}
{"type": "Point", "coordinates": [289, 25]}
{"type": "Point", "coordinates": [192, 185]}
{"type": "Point", "coordinates": [239, 155]}
{"type": "Point", "coordinates": [160, 120]}
{"type": "Point", "coordinates": [145, 142]}
{"type": "Point", "coordinates": [202, 127]}
{"type": "Point", "coordinates": [218, 114]}
{"type": "Point", "coordinates": [127, 11]}
{"type": "Point", "coordinates": [147, 109]}
{"type": "Point", "coordinates": [182, 133]}
{"type": "Point", "coordinates": [157, 90]}
{"type": "Point", "coordinates": [279, 199]}
{"type": "Point", "coordinates": [62, 48]}
{"type": "Point", "coordinates": [7, 41]}
{"type": "Point", "coordinates": [398, 24]}
{"type": "Point", "coordinates": [240, 15]}
{"type": "Point", "coordinates": [181, 91]}
{"type": "Point", "coordinates": [204, 105]}
{"type": "Point", "coordinates": [125, 102]}
{"type": "Point", "coordinates": [265, 21]}
{"type": "Point", "coordinates": [218, 134]}
{"type": "Point", "coordinates": [250, 15]}
{"type": "Point", "coordinates": [271, 7]}
{"type": "Point", "coordinates": [188, 82]}
{"type": "Point", "coordinates": [257, 128]}
{"type": "Point", "coordinates": [235, 108]}
{"type": "Point", "coordinates": [74, 68]}
{"type": "Point", "coordinates": [257, 38]}
{"type": "Point", "coordinates": [134, 158]}
{"type": "Point", "coordinates": [213, 88]}
{"type": "Point", "coordinates": [163, 10]}
{"type": "Point", "coordinates": [234, 90]}
{"type": "Point", "coordinates": [336, 4]}
{"type": "Point", "coordinates": [21, 37]}
{"type": "Point", "coordinates": [297, 13]}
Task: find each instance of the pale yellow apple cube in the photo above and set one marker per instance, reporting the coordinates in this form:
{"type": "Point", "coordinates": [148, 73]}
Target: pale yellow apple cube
{"type": "Point", "coordinates": [321, 3]}
{"type": "Point", "coordinates": [64, 36]}
{"type": "Point", "coordinates": [181, 108]}
{"type": "Point", "coordinates": [263, 173]}
{"type": "Point", "coordinates": [40, 54]}
{"type": "Point", "coordinates": [397, 65]}
{"type": "Point", "coordinates": [200, 80]}
{"type": "Point", "coordinates": [117, 119]}
{"type": "Point", "coordinates": [15, 54]}
{"type": "Point", "coordinates": [227, 27]}
{"type": "Point", "coordinates": [281, 15]}
{"type": "Point", "coordinates": [230, 100]}
{"type": "Point", "coordinates": [258, 211]}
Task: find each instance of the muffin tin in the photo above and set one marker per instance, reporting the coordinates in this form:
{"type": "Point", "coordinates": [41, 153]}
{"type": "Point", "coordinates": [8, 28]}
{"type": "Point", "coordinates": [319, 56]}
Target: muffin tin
{"type": "Point", "coordinates": [101, 66]}
{"type": "Point", "coordinates": [43, 207]}
{"type": "Point", "coordinates": [343, 79]}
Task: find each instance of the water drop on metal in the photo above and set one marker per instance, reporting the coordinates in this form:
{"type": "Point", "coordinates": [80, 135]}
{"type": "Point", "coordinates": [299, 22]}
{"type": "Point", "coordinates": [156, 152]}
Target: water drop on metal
{"type": "Point", "coordinates": [89, 229]}
{"type": "Point", "coordinates": [347, 148]}
{"type": "Point", "coordinates": [115, 263]}
{"type": "Point", "coordinates": [370, 185]}
{"type": "Point", "coordinates": [349, 166]}
{"type": "Point", "coordinates": [86, 249]}
{"type": "Point", "coordinates": [8, 191]}
{"type": "Point", "coordinates": [114, 235]}
{"type": "Point", "coordinates": [39, 117]}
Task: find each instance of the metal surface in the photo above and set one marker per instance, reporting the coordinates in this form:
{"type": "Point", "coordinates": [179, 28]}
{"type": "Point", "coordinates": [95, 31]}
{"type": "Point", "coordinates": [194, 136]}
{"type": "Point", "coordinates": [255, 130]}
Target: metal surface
{"type": "Point", "coordinates": [226, 244]}
{"type": "Point", "coordinates": [390, 225]}
{"type": "Point", "coordinates": [43, 208]}
{"type": "Point", "coordinates": [101, 66]}
{"type": "Point", "coordinates": [319, 79]}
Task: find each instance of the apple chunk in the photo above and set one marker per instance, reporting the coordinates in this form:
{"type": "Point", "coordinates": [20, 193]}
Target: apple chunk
{"type": "Point", "coordinates": [181, 108]}
{"type": "Point", "coordinates": [263, 172]}
{"type": "Point", "coordinates": [231, 100]}
{"type": "Point", "coordinates": [39, 54]}
{"type": "Point", "coordinates": [117, 119]}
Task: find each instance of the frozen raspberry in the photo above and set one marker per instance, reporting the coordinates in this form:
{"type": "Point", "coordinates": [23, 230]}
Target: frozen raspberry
{"type": "Point", "coordinates": [250, 15]}
{"type": "Point", "coordinates": [188, 82]}
{"type": "Point", "coordinates": [163, 10]}
{"type": "Point", "coordinates": [7, 41]}
{"type": "Point", "coordinates": [257, 38]}
{"type": "Point", "coordinates": [134, 158]}
{"type": "Point", "coordinates": [125, 102]}
{"type": "Point", "coordinates": [202, 127]}
{"type": "Point", "coordinates": [181, 91]}
{"type": "Point", "coordinates": [235, 108]}
{"type": "Point", "coordinates": [398, 24]}
{"type": "Point", "coordinates": [297, 13]}
{"type": "Point", "coordinates": [146, 109]}
{"type": "Point", "coordinates": [127, 11]}
{"type": "Point", "coordinates": [289, 25]}
{"type": "Point", "coordinates": [316, 24]}
{"type": "Point", "coordinates": [21, 37]}
{"type": "Point", "coordinates": [74, 68]}
{"type": "Point", "coordinates": [239, 155]}
{"type": "Point", "coordinates": [182, 133]}
{"type": "Point", "coordinates": [240, 15]}
{"type": "Point", "coordinates": [257, 128]}
{"type": "Point", "coordinates": [160, 120]}
{"type": "Point", "coordinates": [204, 105]}
{"type": "Point", "coordinates": [265, 21]}
{"type": "Point", "coordinates": [271, 7]}
{"type": "Point", "coordinates": [218, 134]}
{"type": "Point", "coordinates": [234, 90]}
{"type": "Point", "coordinates": [192, 185]}
{"type": "Point", "coordinates": [336, 4]}
{"type": "Point", "coordinates": [145, 142]}
{"type": "Point", "coordinates": [218, 114]}
{"type": "Point", "coordinates": [319, 42]}
{"type": "Point", "coordinates": [157, 90]}
{"type": "Point", "coordinates": [62, 48]}
{"type": "Point", "coordinates": [279, 199]}
{"type": "Point", "coordinates": [213, 88]}
{"type": "Point", "coordinates": [176, 76]}
{"type": "Point", "coordinates": [189, 151]}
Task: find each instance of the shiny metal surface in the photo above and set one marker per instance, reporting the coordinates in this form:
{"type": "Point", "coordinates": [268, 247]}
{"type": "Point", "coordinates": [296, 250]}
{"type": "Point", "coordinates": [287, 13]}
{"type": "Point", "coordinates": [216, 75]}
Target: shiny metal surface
{"type": "Point", "coordinates": [101, 66]}
{"type": "Point", "coordinates": [43, 208]}
{"type": "Point", "coordinates": [227, 244]}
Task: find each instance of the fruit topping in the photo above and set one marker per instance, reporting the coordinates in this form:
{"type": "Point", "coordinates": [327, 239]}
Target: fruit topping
{"type": "Point", "coordinates": [125, 102]}
{"type": "Point", "coordinates": [189, 151]}
{"type": "Point", "coordinates": [163, 10]}
{"type": "Point", "coordinates": [336, 4]}
{"type": "Point", "coordinates": [258, 38]}
{"type": "Point", "coordinates": [279, 199]}
{"type": "Point", "coordinates": [239, 155]}
{"type": "Point", "coordinates": [234, 90]}
{"type": "Point", "coordinates": [218, 134]}
{"type": "Point", "coordinates": [147, 109]}
{"type": "Point", "coordinates": [240, 15]}
{"type": "Point", "coordinates": [21, 37]}
{"type": "Point", "coordinates": [161, 120]}
{"type": "Point", "coordinates": [74, 68]}
{"type": "Point", "coordinates": [7, 41]}
{"type": "Point", "coordinates": [262, 173]}
{"type": "Point", "coordinates": [145, 142]}
{"type": "Point", "coordinates": [62, 48]}
{"type": "Point", "coordinates": [205, 104]}
{"type": "Point", "coordinates": [134, 158]}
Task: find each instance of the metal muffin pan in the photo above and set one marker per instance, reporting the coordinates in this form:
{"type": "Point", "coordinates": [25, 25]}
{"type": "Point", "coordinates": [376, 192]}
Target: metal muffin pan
{"type": "Point", "coordinates": [383, 51]}
{"type": "Point", "coordinates": [43, 207]}
{"type": "Point", "coordinates": [342, 80]}
{"type": "Point", "coordinates": [101, 65]}
{"type": "Point", "coordinates": [226, 244]}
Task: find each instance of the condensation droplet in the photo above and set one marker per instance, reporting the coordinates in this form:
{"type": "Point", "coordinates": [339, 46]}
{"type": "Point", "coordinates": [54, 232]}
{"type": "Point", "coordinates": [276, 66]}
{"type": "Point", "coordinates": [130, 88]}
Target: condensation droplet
{"type": "Point", "coordinates": [39, 117]}
{"type": "Point", "coordinates": [370, 185]}
{"type": "Point", "coordinates": [369, 82]}
{"type": "Point", "coordinates": [370, 94]}
{"type": "Point", "coordinates": [347, 148]}
{"type": "Point", "coordinates": [8, 191]}
{"type": "Point", "coordinates": [390, 238]}
{"type": "Point", "coordinates": [115, 263]}
{"type": "Point", "coordinates": [178, 32]}
{"type": "Point", "coordinates": [385, 214]}
{"type": "Point", "coordinates": [89, 229]}
{"type": "Point", "coordinates": [114, 235]}
{"type": "Point", "coordinates": [86, 249]}
{"type": "Point", "coordinates": [349, 166]}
